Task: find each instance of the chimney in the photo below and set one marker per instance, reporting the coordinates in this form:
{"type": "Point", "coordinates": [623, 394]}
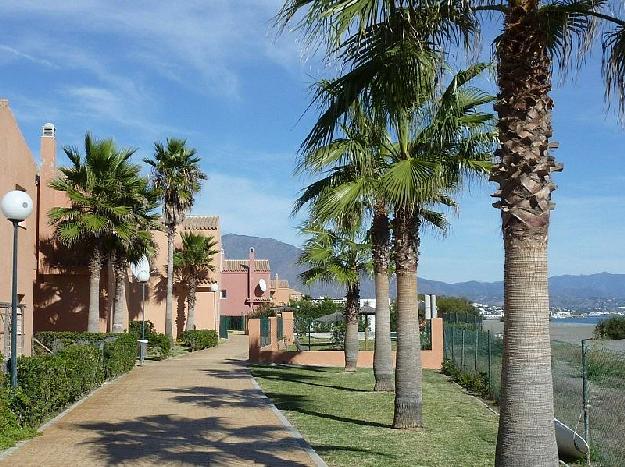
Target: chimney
{"type": "Point", "coordinates": [48, 151]}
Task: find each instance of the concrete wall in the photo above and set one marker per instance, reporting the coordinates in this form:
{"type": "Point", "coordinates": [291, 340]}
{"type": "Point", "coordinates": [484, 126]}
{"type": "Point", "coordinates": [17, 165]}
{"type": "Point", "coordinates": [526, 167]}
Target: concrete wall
{"type": "Point", "coordinates": [430, 359]}
{"type": "Point", "coordinates": [18, 170]}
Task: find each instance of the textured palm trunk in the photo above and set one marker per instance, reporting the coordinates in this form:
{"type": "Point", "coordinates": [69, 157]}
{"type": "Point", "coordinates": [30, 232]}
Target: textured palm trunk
{"type": "Point", "coordinates": [408, 397]}
{"type": "Point", "coordinates": [526, 431]}
{"type": "Point", "coordinates": [382, 355]}
{"type": "Point", "coordinates": [119, 269]}
{"type": "Point", "coordinates": [95, 266]}
{"type": "Point", "coordinates": [169, 302]}
{"type": "Point", "coordinates": [352, 306]}
{"type": "Point", "coordinates": [191, 299]}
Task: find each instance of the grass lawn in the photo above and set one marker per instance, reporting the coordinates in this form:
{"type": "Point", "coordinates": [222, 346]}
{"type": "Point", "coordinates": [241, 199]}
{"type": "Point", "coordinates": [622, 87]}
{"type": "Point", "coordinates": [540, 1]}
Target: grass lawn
{"type": "Point", "coordinates": [347, 424]}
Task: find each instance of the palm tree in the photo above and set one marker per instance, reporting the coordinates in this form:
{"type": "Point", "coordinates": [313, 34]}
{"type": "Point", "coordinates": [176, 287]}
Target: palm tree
{"type": "Point", "coordinates": [339, 256]}
{"type": "Point", "coordinates": [133, 239]}
{"type": "Point", "coordinates": [535, 36]}
{"type": "Point", "coordinates": [194, 261]}
{"type": "Point", "coordinates": [95, 213]}
{"type": "Point", "coordinates": [355, 162]}
{"type": "Point", "coordinates": [177, 177]}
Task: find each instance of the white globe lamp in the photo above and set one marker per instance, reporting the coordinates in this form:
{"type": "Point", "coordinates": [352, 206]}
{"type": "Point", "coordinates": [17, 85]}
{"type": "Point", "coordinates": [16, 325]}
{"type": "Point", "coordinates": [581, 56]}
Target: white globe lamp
{"type": "Point", "coordinates": [17, 205]}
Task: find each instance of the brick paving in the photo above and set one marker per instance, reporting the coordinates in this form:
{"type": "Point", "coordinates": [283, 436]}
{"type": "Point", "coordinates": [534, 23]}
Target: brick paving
{"type": "Point", "coordinates": [200, 409]}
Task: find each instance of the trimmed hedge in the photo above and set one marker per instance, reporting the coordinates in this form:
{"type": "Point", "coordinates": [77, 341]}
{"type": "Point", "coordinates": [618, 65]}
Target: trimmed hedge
{"type": "Point", "coordinates": [119, 351]}
{"type": "Point", "coordinates": [48, 383]}
{"type": "Point", "coordinates": [199, 339]}
{"type": "Point", "coordinates": [159, 345]}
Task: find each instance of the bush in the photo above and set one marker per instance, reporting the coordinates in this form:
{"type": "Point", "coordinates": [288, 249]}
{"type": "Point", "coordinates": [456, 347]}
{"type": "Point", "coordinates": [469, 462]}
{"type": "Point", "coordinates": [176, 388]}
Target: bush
{"type": "Point", "coordinates": [135, 327]}
{"type": "Point", "coordinates": [200, 339]}
{"type": "Point", "coordinates": [48, 383]}
{"type": "Point", "coordinates": [159, 345]}
{"type": "Point", "coordinates": [120, 354]}
{"type": "Point", "coordinates": [476, 383]}
{"type": "Point", "coordinates": [611, 328]}
{"type": "Point", "coordinates": [119, 351]}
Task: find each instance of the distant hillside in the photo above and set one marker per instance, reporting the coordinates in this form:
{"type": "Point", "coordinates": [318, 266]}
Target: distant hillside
{"type": "Point", "coordinates": [569, 291]}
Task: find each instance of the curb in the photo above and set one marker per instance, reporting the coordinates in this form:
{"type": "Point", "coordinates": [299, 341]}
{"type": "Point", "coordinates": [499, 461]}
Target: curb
{"type": "Point", "coordinates": [317, 460]}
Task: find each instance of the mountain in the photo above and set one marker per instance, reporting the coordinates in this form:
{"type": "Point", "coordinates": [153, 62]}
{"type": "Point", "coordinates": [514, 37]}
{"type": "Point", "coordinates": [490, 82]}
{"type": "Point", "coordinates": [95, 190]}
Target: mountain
{"type": "Point", "coordinates": [577, 292]}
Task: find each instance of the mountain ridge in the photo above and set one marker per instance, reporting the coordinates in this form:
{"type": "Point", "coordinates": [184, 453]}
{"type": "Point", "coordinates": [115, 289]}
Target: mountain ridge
{"type": "Point", "coordinates": [566, 290]}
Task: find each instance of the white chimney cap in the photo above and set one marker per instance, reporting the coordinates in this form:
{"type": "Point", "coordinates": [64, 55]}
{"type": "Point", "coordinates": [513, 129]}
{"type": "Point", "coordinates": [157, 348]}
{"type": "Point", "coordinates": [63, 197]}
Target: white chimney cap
{"type": "Point", "coordinates": [48, 129]}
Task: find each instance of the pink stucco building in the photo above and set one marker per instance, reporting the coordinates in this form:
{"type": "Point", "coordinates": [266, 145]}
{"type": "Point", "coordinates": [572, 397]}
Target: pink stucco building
{"type": "Point", "coordinates": [54, 281]}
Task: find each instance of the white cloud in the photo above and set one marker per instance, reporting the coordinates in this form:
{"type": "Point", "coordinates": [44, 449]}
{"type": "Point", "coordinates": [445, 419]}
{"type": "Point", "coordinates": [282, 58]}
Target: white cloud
{"type": "Point", "coordinates": [245, 206]}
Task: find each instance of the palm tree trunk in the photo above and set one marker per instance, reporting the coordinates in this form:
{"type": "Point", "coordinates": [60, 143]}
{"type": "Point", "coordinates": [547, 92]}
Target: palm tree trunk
{"type": "Point", "coordinates": [119, 268]}
{"type": "Point", "coordinates": [191, 299]}
{"type": "Point", "coordinates": [382, 355]}
{"type": "Point", "coordinates": [169, 302]}
{"type": "Point", "coordinates": [95, 266]}
{"type": "Point", "coordinates": [408, 397]}
{"type": "Point", "coordinates": [526, 431]}
{"type": "Point", "coordinates": [352, 306]}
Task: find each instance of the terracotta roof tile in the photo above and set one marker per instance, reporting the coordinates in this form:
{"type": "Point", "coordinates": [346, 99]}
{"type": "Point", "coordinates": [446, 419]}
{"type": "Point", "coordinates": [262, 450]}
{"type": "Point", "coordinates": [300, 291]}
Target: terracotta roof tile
{"type": "Point", "coordinates": [201, 223]}
{"type": "Point", "coordinates": [240, 265]}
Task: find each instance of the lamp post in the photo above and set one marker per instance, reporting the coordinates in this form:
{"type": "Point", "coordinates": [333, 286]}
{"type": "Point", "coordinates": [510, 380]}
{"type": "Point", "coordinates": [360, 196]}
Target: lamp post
{"type": "Point", "coordinates": [16, 207]}
{"type": "Point", "coordinates": [141, 272]}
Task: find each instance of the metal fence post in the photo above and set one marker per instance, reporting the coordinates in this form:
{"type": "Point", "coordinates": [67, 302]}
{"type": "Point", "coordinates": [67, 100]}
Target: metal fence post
{"type": "Point", "coordinates": [477, 343]}
{"type": "Point", "coordinates": [585, 398]}
{"type": "Point", "coordinates": [462, 354]}
{"type": "Point", "coordinates": [309, 330]}
{"type": "Point", "coordinates": [490, 386]}
{"type": "Point", "coordinates": [453, 338]}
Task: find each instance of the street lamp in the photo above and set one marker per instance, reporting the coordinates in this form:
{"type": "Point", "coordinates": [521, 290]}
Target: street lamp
{"type": "Point", "coordinates": [141, 271]}
{"type": "Point", "coordinates": [16, 207]}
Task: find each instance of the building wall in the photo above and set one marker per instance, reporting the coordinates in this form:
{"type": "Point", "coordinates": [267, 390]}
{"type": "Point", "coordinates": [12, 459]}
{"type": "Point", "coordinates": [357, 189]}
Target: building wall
{"type": "Point", "coordinates": [18, 170]}
{"type": "Point", "coordinates": [242, 284]}
{"type": "Point", "coordinates": [62, 286]}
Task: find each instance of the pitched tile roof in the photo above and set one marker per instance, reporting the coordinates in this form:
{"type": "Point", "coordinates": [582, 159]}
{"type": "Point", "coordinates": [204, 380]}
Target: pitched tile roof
{"type": "Point", "coordinates": [241, 265]}
{"type": "Point", "coordinates": [201, 223]}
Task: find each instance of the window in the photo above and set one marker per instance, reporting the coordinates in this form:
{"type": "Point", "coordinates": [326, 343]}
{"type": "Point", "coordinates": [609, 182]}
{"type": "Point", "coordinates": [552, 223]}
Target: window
{"type": "Point", "coordinates": [224, 293]}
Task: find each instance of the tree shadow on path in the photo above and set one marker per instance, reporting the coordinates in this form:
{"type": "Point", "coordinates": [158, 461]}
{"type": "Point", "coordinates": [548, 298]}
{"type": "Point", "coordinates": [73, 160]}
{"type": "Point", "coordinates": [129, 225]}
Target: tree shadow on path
{"type": "Point", "coordinates": [162, 439]}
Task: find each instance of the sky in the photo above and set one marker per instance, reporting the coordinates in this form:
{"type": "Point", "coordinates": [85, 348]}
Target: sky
{"type": "Point", "coordinates": [217, 73]}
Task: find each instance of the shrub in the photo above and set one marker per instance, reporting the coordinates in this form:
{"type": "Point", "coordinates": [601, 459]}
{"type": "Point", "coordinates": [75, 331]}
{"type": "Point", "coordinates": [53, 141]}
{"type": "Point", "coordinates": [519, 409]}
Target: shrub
{"type": "Point", "coordinates": [48, 383]}
{"type": "Point", "coordinates": [135, 327]}
{"type": "Point", "coordinates": [120, 354]}
{"type": "Point", "coordinates": [200, 339]}
{"type": "Point", "coordinates": [476, 383]}
{"type": "Point", "coordinates": [159, 345]}
{"type": "Point", "coordinates": [119, 351]}
{"type": "Point", "coordinates": [611, 328]}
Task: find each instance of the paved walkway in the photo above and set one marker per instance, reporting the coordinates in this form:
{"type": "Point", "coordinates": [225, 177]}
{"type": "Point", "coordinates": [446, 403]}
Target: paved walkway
{"type": "Point", "coordinates": [200, 409]}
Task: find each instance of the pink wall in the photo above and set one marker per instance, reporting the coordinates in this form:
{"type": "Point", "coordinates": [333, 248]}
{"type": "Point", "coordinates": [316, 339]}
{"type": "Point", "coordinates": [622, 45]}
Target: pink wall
{"type": "Point", "coordinates": [18, 167]}
{"type": "Point", "coordinates": [239, 285]}
{"type": "Point", "coordinates": [430, 359]}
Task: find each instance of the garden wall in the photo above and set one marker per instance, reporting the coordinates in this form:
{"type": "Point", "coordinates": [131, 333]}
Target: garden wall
{"type": "Point", "coordinates": [272, 353]}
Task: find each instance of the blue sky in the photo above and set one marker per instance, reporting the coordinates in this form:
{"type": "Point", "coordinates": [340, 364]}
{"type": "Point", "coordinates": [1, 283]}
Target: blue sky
{"type": "Point", "coordinates": [214, 72]}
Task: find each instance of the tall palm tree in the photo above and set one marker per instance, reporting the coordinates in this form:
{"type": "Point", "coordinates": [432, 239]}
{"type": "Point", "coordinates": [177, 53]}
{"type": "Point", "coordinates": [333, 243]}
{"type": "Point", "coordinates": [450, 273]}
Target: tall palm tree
{"type": "Point", "coordinates": [535, 36]}
{"type": "Point", "coordinates": [91, 184]}
{"type": "Point", "coordinates": [177, 176]}
{"type": "Point", "coordinates": [193, 262]}
{"type": "Point", "coordinates": [355, 162]}
{"type": "Point", "coordinates": [339, 255]}
{"type": "Point", "coordinates": [133, 239]}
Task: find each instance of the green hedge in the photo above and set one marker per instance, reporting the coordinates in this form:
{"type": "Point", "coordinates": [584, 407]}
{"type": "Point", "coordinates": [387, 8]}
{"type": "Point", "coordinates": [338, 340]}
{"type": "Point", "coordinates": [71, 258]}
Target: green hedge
{"type": "Point", "coordinates": [200, 339]}
{"type": "Point", "coordinates": [48, 383]}
{"type": "Point", "coordinates": [159, 345]}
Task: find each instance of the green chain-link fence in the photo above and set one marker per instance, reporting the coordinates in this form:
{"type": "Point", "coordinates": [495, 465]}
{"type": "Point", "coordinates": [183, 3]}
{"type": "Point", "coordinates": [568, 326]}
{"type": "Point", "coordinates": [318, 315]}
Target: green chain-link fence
{"type": "Point", "coordinates": [588, 383]}
{"type": "Point", "coordinates": [265, 332]}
